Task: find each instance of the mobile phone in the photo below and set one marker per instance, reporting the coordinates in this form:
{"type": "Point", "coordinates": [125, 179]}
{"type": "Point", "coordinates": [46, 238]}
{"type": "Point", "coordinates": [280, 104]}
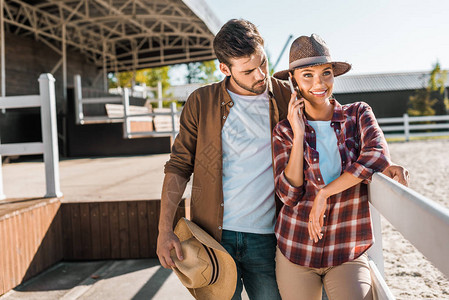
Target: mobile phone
{"type": "Point", "coordinates": [292, 89]}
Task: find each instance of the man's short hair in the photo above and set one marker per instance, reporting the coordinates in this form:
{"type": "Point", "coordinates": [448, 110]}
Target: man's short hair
{"type": "Point", "coordinates": [237, 38]}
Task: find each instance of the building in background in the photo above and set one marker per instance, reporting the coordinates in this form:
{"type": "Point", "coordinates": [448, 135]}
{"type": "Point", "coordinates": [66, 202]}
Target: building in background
{"type": "Point", "coordinates": [92, 38]}
{"type": "Point", "coordinates": [388, 94]}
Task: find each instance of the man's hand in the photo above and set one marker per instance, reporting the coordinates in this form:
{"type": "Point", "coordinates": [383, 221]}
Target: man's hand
{"type": "Point", "coordinates": [166, 241]}
{"type": "Point", "coordinates": [398, 173]}
{"type": "Point", "coordinates": [172, 190]}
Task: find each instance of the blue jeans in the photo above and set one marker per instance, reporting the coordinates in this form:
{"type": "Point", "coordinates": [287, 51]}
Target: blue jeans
{"type": "Point", "coordinates": [254, 255]}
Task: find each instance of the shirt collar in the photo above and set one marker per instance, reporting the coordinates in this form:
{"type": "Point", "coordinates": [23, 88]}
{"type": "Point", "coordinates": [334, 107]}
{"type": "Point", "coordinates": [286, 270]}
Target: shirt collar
{"type": "Point", "coordinates": [338, 115]}
{"type": "Point", "coordinates": [225, 98]}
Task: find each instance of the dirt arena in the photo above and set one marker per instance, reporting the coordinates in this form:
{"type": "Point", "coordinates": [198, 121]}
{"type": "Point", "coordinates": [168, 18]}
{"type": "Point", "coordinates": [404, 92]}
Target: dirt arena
{"type": "Point", "coordinates": [408, 274]}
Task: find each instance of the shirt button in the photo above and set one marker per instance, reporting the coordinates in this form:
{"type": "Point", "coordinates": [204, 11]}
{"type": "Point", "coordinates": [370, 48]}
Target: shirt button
{"type": "Point", "coordinates": [314, 159]}
{"type": "Point", "coordinates": [224, 117]}
{"type": "Point", "coordinates": [319, 179]}
{"type": "Point", "coordinates": [338, 130]}
{"type": "Point", "coordinates": [332, 124]}
{"type": "Point", "coordinates": [222, 204]}
{"type": "Point", "coordinates": [313, 131]}
{"type": "Point", "coordinates": [219, 227]}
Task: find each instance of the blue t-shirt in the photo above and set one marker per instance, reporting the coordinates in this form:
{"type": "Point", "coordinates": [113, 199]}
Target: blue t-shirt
{"type": "Point", "coordinates": [248, 185]}
{"type": "Point", "coordinates": [326, 145]}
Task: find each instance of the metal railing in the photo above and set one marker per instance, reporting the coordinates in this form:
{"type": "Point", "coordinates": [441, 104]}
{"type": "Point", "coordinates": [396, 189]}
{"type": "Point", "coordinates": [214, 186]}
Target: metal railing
{"type": "Point", "coordinates": [421, 221]}
{"type": "Point", "coordinates": [49, 146]}
{"type": "Point", "coordinates": [408, 127]}
{"type": "Point", "coordinates": [127, 116]}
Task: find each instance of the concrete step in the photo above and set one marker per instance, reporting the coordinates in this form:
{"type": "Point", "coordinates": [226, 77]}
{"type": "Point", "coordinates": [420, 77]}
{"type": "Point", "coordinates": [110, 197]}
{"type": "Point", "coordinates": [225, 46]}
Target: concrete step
{"type": "Point", "coordinates": [119, 279]}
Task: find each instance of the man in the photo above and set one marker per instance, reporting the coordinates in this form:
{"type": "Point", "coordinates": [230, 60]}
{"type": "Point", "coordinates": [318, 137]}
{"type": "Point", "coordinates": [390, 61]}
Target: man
{"type": "Point", "coordinates": [225, 140]}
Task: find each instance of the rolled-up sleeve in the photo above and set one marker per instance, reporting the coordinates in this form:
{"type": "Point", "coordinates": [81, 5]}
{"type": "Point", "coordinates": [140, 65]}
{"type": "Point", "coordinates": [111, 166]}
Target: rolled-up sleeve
{"type": "Point", "coordinates": [282, 145]}
{"type": "Point", "coordinates": [374, 155]}
{"type": "Point", "coordinates": [182, 157]}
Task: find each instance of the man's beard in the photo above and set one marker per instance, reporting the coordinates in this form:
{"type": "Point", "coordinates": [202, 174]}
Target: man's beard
{"type": "Point", "coordinates": [253, 89]}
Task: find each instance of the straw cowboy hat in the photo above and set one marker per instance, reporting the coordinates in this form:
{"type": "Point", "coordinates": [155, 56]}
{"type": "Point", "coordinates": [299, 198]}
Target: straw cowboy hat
{"type": "Point", "coordinates": [207, 270]}
{"type": "Point", "coordinates": [311, 51]}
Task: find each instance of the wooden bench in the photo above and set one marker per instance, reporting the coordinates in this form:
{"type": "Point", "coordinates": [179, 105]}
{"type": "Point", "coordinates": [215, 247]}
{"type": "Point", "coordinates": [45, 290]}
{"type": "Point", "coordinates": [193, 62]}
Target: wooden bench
{"type": "Point", "coordinates": [136, 124]}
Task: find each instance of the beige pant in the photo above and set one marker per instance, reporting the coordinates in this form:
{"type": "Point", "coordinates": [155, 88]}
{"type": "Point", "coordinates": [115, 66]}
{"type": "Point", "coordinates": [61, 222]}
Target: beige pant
{"type": "Point", "coordinates": [350, 280]}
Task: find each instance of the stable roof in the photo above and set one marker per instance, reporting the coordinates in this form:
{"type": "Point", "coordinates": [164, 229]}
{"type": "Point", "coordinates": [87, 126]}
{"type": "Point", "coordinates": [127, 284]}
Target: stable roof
{"type": "Point", "coordinates": [119, 35]}
{"type": "Point", "coordinates": [382, 82]}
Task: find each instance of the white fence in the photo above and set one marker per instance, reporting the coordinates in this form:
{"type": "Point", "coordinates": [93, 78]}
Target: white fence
{"type": "Point", "coordinates": [421, 221]}
{"type": "Point", "coordinates": [49, 146]}
{"type": "Point", "coordinates": [410, 126]}
{"type": "Point", "coordinates": [167, 119]}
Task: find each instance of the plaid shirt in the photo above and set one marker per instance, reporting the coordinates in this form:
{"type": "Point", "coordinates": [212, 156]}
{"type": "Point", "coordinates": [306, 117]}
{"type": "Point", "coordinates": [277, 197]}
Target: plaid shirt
{"type": "Point", "coordinates": [347, 231]}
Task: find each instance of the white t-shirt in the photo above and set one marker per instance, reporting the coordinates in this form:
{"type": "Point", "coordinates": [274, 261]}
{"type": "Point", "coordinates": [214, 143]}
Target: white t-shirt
{"type": "Point", "coordinates": [248, 186]}
{"type": "Point", "coordinates": [326, 145]}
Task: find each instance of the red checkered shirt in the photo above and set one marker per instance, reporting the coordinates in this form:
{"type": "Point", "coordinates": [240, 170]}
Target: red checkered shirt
{"type": "Point", "coordinates": [347, 231]}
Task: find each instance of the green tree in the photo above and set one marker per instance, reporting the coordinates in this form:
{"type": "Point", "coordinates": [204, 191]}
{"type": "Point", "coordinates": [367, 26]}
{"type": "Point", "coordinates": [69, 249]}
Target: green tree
{"type": "Point", "coordinates": [202, 72]}
{"type": "Point", "coordinates": [421, 104]}
{"type": "Point", "coordinates": [149, 77]}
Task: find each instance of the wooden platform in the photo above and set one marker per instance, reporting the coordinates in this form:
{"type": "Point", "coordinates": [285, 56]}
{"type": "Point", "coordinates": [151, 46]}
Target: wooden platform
{"type": "Point", "coordinates": [109, 211]}
{"type": "Point", "coordinates": [111, 230]}
{"type": "Point", "coordinates": [35, 234]}
{"type": "Point", "coordinates": [30, 239]}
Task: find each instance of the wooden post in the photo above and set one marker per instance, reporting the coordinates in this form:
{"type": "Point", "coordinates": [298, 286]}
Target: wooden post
{"type": "Point", "coordinates": [159, 94]}
{"type": "Point", "coordinates": [49, 134]}
{"type": "Point", "coordinates": [173, 120]}
{"type": "Point", "coordinates": [125, 113]}
{"type": "Point", "coordinates": [376, 250]}
{"type": "Point", "coordinates": [406, 127]}
{"type": "Point", "coordinates": [64, 63]}
{"type": "Point", "coordinates": [79, 115]}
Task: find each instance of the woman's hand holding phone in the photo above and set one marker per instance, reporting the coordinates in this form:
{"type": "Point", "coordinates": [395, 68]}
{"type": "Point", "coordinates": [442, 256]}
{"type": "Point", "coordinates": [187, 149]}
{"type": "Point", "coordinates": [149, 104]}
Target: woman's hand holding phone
{"type": "Point", "coordinates": [295, 114]}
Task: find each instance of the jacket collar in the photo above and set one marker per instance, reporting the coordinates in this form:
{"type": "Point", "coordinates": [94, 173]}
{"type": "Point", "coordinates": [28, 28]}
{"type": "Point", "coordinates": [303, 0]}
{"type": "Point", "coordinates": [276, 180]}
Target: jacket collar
{"type": "Point", "coordinates": [226, 98]}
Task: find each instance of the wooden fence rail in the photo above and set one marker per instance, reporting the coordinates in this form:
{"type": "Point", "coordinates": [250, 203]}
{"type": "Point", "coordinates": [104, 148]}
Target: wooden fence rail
{"type": "Point", "coordinates": [49, 146]}
{"type": "Point", "coordinates": [407, 127]}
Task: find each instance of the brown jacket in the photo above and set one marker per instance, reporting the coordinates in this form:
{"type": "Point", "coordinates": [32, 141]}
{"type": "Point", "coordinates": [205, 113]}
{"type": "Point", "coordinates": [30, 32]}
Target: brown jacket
{"type": "Point", "coordinates": [197, 148]}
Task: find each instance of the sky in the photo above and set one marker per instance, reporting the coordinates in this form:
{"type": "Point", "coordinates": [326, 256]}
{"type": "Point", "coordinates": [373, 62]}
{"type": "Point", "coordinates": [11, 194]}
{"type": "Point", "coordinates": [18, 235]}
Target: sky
{"type": "Point", "coordinates": [377, 36]}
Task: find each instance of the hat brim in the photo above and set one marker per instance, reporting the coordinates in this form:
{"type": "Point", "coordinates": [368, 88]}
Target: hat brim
{"type": "Point", "coordinates": [225, 286]}
{"type": "Point", "coordinates": [339, 68]}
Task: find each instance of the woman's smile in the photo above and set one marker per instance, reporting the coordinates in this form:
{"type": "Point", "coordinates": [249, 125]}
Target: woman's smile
{"type": "Point", "coordinates": [319, 93]}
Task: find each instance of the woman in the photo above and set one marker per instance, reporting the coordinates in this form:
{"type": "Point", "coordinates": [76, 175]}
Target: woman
{"type": "Point", "coordinates": [324, 154]}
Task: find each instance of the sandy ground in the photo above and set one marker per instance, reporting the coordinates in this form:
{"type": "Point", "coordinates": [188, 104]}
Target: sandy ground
{"type": "Point", "coordinates": [408, 274]}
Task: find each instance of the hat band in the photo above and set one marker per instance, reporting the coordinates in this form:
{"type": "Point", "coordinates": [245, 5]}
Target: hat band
{"type": "Point", "coordinates": [214, 261]}
{"type": "Point", "coordinates": [307, 61]}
